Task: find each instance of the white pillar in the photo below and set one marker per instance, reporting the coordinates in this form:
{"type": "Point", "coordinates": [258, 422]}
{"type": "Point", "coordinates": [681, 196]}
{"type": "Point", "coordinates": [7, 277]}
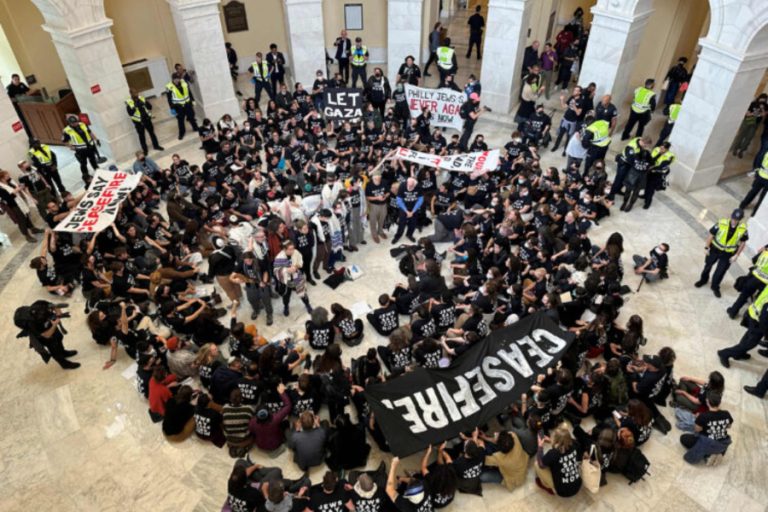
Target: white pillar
{"type": "Point", "coordinates": [95, 73]}
{"type": "Point", "coordinates": [403, 33]}
{"type": "Point", "coordinates": [614, 40]}
{"type": "Point", "coordinates": [201, 37]}
{"type": "Point", "coordinates": [13, 138]}
{"type": "Point", "coordinates": [304, 20]}
{"type": "Point", "coordinates": [505, 36]}
{"type": "Point", "coordinates": [719, 93]}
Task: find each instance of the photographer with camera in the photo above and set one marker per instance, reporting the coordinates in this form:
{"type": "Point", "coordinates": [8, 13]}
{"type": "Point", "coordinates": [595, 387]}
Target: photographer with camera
{"type": "Point", "coordinates": [41, 322]}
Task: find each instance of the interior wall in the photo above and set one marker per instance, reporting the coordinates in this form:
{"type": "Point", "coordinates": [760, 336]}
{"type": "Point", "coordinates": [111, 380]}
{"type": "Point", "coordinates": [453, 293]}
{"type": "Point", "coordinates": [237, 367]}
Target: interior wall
{"type": "Point", "coordinates": [266, 25]}
{"type": "Point", "coordinates": [374, 31]}
{"type": "Point", "coordinates": [430, 16]}
{"type": "Point", "coordinates": [143, 29]}
{"type": "Point", "coordinates": [8, 62]}
{"type": "Point", "coordinates": [567, 7]}
{"type": "Point", "coordinates": [539, 21]}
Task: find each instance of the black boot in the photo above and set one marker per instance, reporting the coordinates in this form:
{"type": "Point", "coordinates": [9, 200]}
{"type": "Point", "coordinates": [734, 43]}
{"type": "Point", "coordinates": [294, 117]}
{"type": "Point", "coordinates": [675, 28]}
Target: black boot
{"type": "Point", "coordinates": [307, 305]}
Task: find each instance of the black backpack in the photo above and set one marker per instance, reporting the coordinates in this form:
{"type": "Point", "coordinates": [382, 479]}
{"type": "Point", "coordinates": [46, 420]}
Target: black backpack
{"type": "Point", "coordinates": [636, 467]}
{"type": "Point", "coordinates": [22, 318]}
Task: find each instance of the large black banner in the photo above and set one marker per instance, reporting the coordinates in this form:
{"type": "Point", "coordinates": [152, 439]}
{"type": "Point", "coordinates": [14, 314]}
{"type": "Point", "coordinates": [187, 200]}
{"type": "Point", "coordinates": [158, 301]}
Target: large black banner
{"type": "Point", "coordinates": [426, 407]}
{"type": "Point", "coordinates": [343, 104]}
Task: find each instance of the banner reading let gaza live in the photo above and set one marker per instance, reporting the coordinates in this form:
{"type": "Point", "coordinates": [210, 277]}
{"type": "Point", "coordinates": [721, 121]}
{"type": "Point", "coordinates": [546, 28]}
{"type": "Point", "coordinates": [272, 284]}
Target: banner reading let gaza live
{"type": "Point", "coordinates": [98, 207]}
{"type": "Point", "coordinates": [426, 407]}
{"type": "Point", "coordinates": [343, 104]}
{"type": "Point", "coordinates": [445, 105]}
{"type": "Point", "coordinates": [476, 163]}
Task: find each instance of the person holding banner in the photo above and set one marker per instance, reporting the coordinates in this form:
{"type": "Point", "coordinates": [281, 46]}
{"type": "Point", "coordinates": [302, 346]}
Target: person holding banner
{"type": "Point", "coordinates": [409, 201]}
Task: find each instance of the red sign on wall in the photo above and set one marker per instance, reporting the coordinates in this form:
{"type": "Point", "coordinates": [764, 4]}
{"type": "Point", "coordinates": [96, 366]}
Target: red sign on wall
{"type": "Point", "coordinates": [84, 119]}
{"type": "Point", "coordinates": [95, 89]}
{"type": "Point", "coordinates": [17, 126]}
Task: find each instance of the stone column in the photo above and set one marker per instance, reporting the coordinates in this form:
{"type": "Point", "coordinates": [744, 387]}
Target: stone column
{"type": "Point", "coordinates": [13, 138]}
{"type": "Point", "coordinates": [720, 91]}
{"type": "Point", "coordinates": [95, 73]}
{"type": "Point", "coordinates": [304, 20]}
{"type": "Point", "coordinates": [505, 36]}
{"type": "Point", "coordinates": [403, 33]}
{"type": "Point", "coordinates": [201, 37]}
{"type": "Point", "coordinates": [614, 40]}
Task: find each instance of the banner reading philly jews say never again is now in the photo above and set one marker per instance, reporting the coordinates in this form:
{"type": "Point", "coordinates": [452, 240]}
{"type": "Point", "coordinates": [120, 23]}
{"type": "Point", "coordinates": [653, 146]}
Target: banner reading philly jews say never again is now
{"type": "Point", "coordinates": [426, 407]}
{"type": "Point", "coordinates": [476, 163]}
{"type": "Point", "coordinates": [98, 207]}
{"type": "Point", "coordinates": [445, 105]}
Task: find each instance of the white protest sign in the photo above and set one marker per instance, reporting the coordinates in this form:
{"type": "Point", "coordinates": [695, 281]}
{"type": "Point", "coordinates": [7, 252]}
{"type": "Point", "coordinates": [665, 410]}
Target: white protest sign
{"type": "Point", "coordinates": [98, 207]}
{"type": "Point", "coordinates": [445, 105]}
{"type": "Point", "coordinates": [475, 163]}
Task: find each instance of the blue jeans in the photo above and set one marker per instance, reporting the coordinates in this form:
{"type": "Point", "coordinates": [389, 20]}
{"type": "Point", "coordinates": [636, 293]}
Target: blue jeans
{"type": "Point", "coordinates": [701, 447]}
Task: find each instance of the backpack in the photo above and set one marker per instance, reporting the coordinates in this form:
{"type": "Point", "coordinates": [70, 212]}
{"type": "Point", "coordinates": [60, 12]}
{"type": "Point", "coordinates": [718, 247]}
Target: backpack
{"type": "Point", "coordinates": [22, 318]}
{"type": "Point", "coordinates": [636, 467]}
{"type": "Point", "coordinates": [617, 390]}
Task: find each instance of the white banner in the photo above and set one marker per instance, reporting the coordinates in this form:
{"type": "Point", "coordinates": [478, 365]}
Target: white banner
{"type": "Point", "coordinates": [445, 105]}
{"type": "Point", "coordinates": [98, 207]}
{"type": "Point", "coordinates": [476, 163]}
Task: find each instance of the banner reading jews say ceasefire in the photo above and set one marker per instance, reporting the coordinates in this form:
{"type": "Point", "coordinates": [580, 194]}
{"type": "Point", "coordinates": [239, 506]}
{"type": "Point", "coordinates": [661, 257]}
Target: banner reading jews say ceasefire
{"type": "Point", "coordinates": [445, 105]}
{"type": "Point", "coordinates": [476, 163]}
{"type": "Point", "coordinates": [343, 104]}
{"type": "Point", "coordinates": [426, 407]}
{"type": "Point", "coordinates": [98, 207]}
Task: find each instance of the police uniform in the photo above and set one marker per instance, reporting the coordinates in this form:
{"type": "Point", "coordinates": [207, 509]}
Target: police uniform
{"type": "Point", "coordinates": [446, 62]}
{"type": "Point", "coordinates": [659, 171]}
{"type": "Point", "coordinates": [757, 325]}
{"type": "Point", "coordinates": [44, 160]}
{"type": "Point", "coordinates": [726, 239]}
{"type": "Point", "coordinates": [622, 166]}
{"type": "Point", "coordinates": [671, 111]}
{"type": "Point", "coordinates": [81, 139]}
{"type": "Point", "coordinates": [759, 186]}
{"type": "Point", "coordinates": [181, 101]}
{"type": "Point", "coordinates": [755, 282]}
{"type": "Point", "coordinates": [358, 61]}
{"type": "Point", "coordinates": [640, 113]}
{"type": "Point", "coordinates": [597, 139]}
{"type": "Point", "coordinates": [261, 78]}
{"type": "Point", "coordinates": [140, 111]}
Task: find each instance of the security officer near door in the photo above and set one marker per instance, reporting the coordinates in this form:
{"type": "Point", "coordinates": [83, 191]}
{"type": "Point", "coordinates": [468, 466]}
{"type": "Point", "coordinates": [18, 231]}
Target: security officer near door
{"type": "Point", "coordinates": [181, 103]}
{"type": "Point", "coordinates": [759, 186]}
{"type": "Point", "coordinates": [725, 242]}
{"type": "Point", "coordinates": [643, 103]}
{"type": "Point", "coordinates": [259, 71]}
{"type": "Point", "coordinates": [662, 160]}
{"type": "Point", "coordinates": [623, 161]}
{"type": "Point", "coordinates": [757, 326]}
{"type": "Point", "coordinates": [81, 139]}
{"type": "Point", "coordinates": [140, 111]}
{"type": "Point", "coordinates": [359, 58]}
{"type": "Point", "coordinates": [446, 60]}
{"type": "Point", "coordinates": [753, 282]}
{"type": "Point", "coordinates": [44, 160]}
{"type": "Point", "coordinates": [596, 139]}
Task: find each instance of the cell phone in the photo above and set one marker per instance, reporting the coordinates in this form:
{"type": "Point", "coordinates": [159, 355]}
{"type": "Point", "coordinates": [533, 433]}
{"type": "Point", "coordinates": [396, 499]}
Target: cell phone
{"type": "Point", "coordinates": [617, 415]}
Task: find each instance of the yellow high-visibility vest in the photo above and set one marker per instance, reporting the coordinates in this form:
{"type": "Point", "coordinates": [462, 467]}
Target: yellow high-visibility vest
{"type": "Point", "coordinates": [135, 110]}
{"type": "Point", "coordinates": [761, 267]}
{"type": "Point", "coordinates": [674, 111]}
{"type": "Point", "coordinates": [642, 102]}
{"type": "Point", "coordinates": [666, 159]}
{"type": "Point", "coordinates": [763, 170]}
{"type": "Point", "coordinates": [728, 245]}
{"type": "Point", "coordinates": [260, 71]}
{"type": "Point", "coordinates": [358, 55]}
{"type": "Point", "coordinates": [75, 139]}
{"type": "Point", "coordinates": [756, 307]}
{"type": "Point", "coordinates": [179, 97]}
{"type": "Point", "coordinates": [445, 57]}
{"type": "Point", "coordinates": [43, 155]}
{"type": "Point", "coordinates": [601, 133]}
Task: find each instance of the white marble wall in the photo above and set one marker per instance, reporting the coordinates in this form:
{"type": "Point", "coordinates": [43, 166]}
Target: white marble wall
{"type": "Point", "coordinates": [719, 93]}
{"type": "Point", "coordinates": [505, 35]}
{"type": "Point", "coordinates": [403, 33]}
{"type": "Point", "coordinates": [614, 40]}
{"type": "Point", "coordinates": [89, 57]}
{"type": "Point", "coordinates": [202, 40]}
{"type": "Point", "coordinates": [304, 19]}
{"type": "Point", "coordinates": [14, 143]}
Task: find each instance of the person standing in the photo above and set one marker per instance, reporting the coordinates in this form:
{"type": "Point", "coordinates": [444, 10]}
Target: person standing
{"type": "Point", "coordinates": [140, 111]}
{"type": "Point", "coordinates": [37, 185]}
{"type": "Point", "coordinates": [15, 200]}
{"type": "Point", "coordinates": [44, 160]}
{"type": "Point", "coordinates": [359, 61]}
{"type": "Point", "coordinates": [530, 57]}
{"type": "Point", "coordinates": [259, 71]}
{"type": "Point", "coordinates": [573, 109]}
{"type": "Point", "coordinates": [46, 335]}
{"type": "Point", "coordinates": [762, 386]}
{"type": "Point", "coordinates": [676, 76]}
{"type": "Point", "coordinates": [755, 282]}
{"type": "Point", "coordinates": [276, 63]}
{"type": "Point", "coordinates": [757, 326]}
{"type": "Point", "coordinates": [476, 23]}
{"type": "Point", "coordinates": [725, 242]}
{"type": "Point", "coordinates": [377, 193]}
{"type": "Point", "coordinates": [377, 90]}
{"type": "Point", "coordinates": [409, 201]}
{"type": "Point", "coordinates": [79, 137]}
{"type": "Point", "coordinates": [672, 111]}
{"type": "Point", "coordinates": [568, 58]}
{"type": "Point", "coordinates": [643, 103]}
{"type": "Point", "coordinates": [287, 267]}
{"type": "Point", "coordinates": [234, 66]}
{"type": "Point", "coordinates": [548, 63]}
{"type": "Point", "coordinates": [446, 60]}
{"type": "Point", "coordinates": [662, 158]}
{"type": "Point", "coordinates": [343, 50]}
{"type": "Point", "coordinates": [623, 160]}
{"type": "Point", "coordinates": [597, 139]}
{"type": "Point", "coordinates": [469, 112]}
{"type": "Point", "coordinates": [607, 111]}
{"type": "Point", "coordinates": [434, 44]}
{"type": "Point", "coordinates": [755, 113]}
{"type": "Point", "coordinates": [409, 71]}
{"type": "Point", "coordinates": [759, 186]}
{"type": "Point", "coordinates": [181, 103]}
{"type": "Point", "coordinates": [14, 89]}
{"type": "Point", "coordinates": [249, 272]}
{"type": "Point", "coordinates": [636, 179]}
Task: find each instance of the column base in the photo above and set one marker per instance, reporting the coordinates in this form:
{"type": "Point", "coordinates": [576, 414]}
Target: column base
{"type": "Point", "coordinates": [688, 179]}
{"type": "Point", "coordinates": [121, 148]}
{"type": "Point", "coordinates": [216, 109]}
{"type": "Point", "coordinates": [499, 103]}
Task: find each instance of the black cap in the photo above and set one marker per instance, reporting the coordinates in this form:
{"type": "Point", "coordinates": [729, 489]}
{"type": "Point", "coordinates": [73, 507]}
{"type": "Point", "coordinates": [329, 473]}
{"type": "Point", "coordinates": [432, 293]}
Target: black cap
{"type": "Point", "coordinates": [737, 214]}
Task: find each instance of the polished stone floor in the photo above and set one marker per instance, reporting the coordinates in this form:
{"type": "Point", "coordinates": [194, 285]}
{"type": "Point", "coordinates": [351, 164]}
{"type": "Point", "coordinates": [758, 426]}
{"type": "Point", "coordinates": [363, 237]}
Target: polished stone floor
{"type": "Point", "coordinates": [83, 441]}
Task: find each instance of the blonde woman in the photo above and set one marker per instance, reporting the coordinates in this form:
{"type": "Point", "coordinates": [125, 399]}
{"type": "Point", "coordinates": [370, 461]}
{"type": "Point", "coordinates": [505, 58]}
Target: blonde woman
{"type": "Point", "coordinates": [206, 361]}
{"type": "Point", "coordinates": [558, 471]}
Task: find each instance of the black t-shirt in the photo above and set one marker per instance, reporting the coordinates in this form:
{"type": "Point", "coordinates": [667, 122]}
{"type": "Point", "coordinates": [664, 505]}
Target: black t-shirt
{"type": "Point", "coordinates": [207, 422]}
{"type": "Point", "coordinates": [566, 470]}
{"type": "Point", "coordinates": [320, 336]}
{"type": "Point", "coordinates": [386, 319]}
{"type": "Point", "coordinates": [373, 504]}
{"type": "Point", "coordinates": [321, 501]}
{"type": "Point", "coordinates": [246, 499]}
{"type": "Point", "coordinates": [468, 469]}
{"type": "Point", "coordinates": [444, 316]}
{"type": "Point", "coordinates": [411, 74]}
{"type": "Point", "coordinates": [425, 505]}
{"type": "Point", "coordinates": [373, 190]}
{"type": "Point", "coordinates": [572, 104]}
{"type": "Point", "coordinates": [476, 24]}
{"type": "Point", "coordinates": [301, 403]}
{"type": "Point", "coordinates": [249, 389]}
{"type": "Point", "coordinates": [715, 424]}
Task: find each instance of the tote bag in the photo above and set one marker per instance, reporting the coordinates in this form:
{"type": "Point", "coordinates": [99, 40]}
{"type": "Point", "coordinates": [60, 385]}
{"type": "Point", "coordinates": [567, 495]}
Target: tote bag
{"type": "Point", "coordinates": [590, 472]}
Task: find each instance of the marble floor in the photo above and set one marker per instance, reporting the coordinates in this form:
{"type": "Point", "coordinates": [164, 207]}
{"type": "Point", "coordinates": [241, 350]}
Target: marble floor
{"type": "Point", "coordinates": [83, 441]}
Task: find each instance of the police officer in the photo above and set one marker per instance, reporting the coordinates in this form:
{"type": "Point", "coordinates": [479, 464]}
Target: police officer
{"type": "Point", "coordinates": [259, 71]}
{"type": "Point", "coordinates": [637, 176]}
{"type": "Point", "coordinates": [757, 326]}
{"type": "Point", "coordinates": [140, 111]}
{"type": "Point", "coordinates": [446, 60]}
{"type": "Point", "coordinates": [755, 281]}
{"type": "Point", "coordinates": [643, 103]}
{"type": "Point", "coordinates": [671, 111]}
{"type": "Point", "coordinates": [759, 186]}
{"type": "Point", "coordinates": [725, 242]}
{"type": "Point", "coordinates": [623, 160]}
{"type": "Point", "coordinates": [44, 160]}
{"type": "Point", "coordinates": [662, 158]}
{"type": "Point", "coordinates": [182, 103]}
{"type": "Point", "coordinates": [607, 111]}
{"type": "Point", "coordinates": [81, 139]}
{"type": "Point", "coordinates": [359, 60]}
{"type": "Point", "coordinates": [596, 139]}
